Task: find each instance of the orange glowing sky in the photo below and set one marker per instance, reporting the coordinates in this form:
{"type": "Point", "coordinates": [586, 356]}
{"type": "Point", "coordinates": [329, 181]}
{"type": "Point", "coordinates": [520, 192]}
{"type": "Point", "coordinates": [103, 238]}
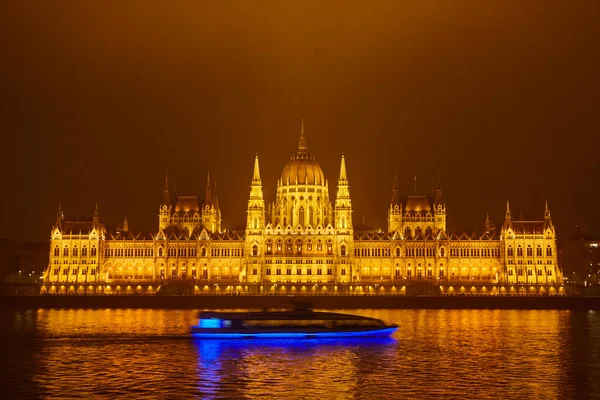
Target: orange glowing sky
{"type": "Point", "coordinates": [500, 96]}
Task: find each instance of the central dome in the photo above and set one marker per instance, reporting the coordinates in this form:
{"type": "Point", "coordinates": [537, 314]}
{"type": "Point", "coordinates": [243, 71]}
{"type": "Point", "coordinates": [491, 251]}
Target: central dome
{"type": "Point", "coordinates": [302, 169]}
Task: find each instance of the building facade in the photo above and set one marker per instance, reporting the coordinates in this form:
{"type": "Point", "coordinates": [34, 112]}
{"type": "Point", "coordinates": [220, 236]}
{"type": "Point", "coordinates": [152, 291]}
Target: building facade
{"type": "Point", "coordinates": [581, 258]}
{"type": "Point", "coordinates": [304, 242]}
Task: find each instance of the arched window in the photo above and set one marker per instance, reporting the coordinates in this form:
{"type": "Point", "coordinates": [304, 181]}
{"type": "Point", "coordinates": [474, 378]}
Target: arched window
{"type": "Point", "coordinates": [538, 251]}
{"type": "Point", "coordinates": [160, 251]}
{"type": "Point", "coordinates": [75, 250]}
{"type": "Point", "coordinates": [309, 245]}
{"type": "Point", "coordinates": [407, 232]}
{"type": "Point", "coordinates": [203, 252]}
{"type": "Point", "coordinates": [269, 246]}
{"type": "Point", "coordinates": [255, 250]}
{"type": "Point", "coordinates": [66, 251]}
{"type": "Point", "coordinates": [319, 245]}
{"type": "Point", "coordinates": [549, 251]}
{"type": "Point", "coordinates": [93, 250]}
{"type": "Point", "coordinates": [519, 251]}
{"type": "Point", "coordinates": [301, 217]}
{"type": "Point", "coordinates": [397, 251]}
{"type": "Point", "coordinates": [417, 231]}
{"type": "Point", "coordinates": [343, 250]}
{"type": "Point", "coordinates": [288, 245]}
{"type": "Point", "coordinates": [529, 251]}
{"type": "Point", "coordinates": [442, 252]}
{"type": "Point", "coordinates": [329, 247]}
{"type": "Point", "coordinates": [510, 251]}
{"type": "Point", "coordinates": [279, 244]}
{"type": "Point", "coordinates": [428, 231]}
{"type": "Point", "coordinates": [299, 246]}
{"type": "Point", "coordinates": [311, 216]}
{"type": "Point", "coordinates": [56, 251]}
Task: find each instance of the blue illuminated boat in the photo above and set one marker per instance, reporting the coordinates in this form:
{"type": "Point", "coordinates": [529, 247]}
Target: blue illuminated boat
{"type": "Point", "coordinates": [302, 323]}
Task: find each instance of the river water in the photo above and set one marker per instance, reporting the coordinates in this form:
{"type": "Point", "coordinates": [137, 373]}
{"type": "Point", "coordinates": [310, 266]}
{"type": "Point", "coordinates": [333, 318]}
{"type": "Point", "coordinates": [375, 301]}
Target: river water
{"type": "Point", "coordinates": [135, 353]}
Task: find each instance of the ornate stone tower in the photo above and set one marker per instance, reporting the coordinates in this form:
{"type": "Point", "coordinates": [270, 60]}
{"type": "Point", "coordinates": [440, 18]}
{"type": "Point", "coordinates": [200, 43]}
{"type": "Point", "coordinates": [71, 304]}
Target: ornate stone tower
{"type": "Point", "coordinates": [59, 218]}
{"type": "Point", "coordinates": [439, 209]}
{"type": "Point", "coordinates": [211, 214]}
{"type": "Point", "coordinates": [344, 230]}
{"type": "Point", "coordinates": [395, 210]}
{"type": "Point", "coordinates": [343, 204]}
{"type": "Point", "coordinates": [164, 212]}
{"type": "Point", "coordinates": [256, 204]}
{"type": "Point", "coordinates": [507, 217]}
{"type": "Point", "coordinates": [255, 222]}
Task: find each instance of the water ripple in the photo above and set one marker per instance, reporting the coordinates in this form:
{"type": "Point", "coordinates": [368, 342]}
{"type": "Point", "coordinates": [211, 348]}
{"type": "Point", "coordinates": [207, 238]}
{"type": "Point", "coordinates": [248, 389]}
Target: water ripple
{"type": "Point", "coordinates": [479, 354]}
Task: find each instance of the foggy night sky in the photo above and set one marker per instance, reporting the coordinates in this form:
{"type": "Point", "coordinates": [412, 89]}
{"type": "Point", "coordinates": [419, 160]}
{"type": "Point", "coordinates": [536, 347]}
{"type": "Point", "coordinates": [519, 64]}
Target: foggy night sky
{"type": "Point", "coordinates": [99, 98]}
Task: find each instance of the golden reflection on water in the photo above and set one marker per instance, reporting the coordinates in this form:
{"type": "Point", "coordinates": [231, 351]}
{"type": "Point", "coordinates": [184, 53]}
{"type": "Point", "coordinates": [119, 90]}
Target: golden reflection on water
{"type": "Point", "coordinates": [450, 353]}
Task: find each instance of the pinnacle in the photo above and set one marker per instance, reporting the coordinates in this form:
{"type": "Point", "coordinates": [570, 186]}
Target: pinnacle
{"type": "Point", "coordinates": [343, 175]}
{"type": "Point", "coordinates": [256, 174]}
{"type": "Point", "coordinates": [302, 143]}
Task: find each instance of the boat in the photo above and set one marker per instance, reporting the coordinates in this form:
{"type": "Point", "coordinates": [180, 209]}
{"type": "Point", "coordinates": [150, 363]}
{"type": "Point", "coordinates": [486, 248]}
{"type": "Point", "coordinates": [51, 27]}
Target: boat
{"type": "Point", "coordinates": [298, 323]}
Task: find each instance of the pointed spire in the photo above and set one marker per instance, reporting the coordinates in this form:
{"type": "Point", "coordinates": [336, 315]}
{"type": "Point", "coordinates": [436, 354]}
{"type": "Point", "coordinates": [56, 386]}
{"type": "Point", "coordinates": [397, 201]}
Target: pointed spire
{"type": "Point", "coordinates": [302, 143]}
{"type": "Point", "coordinates": [547, 216]}
{"type": "Point", "coordinates": [256, 175]}
{"type": "Point", "coordinates": [256, 183]}
{"type": "Point", "coordinates": [415, 188]}
{"type": "Point", "coordinates": [395, 196]}
{"type": "Point", "coordinates": [438, 190]}
{"type": "Point", "coordinates": [208, 197]}
{"type": "Point", "coordinates": [125, 224]}
{"type": "Point", "coordinates": [59, 216]}
{"type": "Point", "coordinates": [96, 220]}
{"type": "Point", "coordinates": [507, 217]}
{"type": "Point", "coordinates": [364, 220]}
{"type": "Point", "coordinates": [488, 225]}
{"type": "Point", "coordinates": [166, 196]}
{"type": "Point", "coordinates": [343, 176]}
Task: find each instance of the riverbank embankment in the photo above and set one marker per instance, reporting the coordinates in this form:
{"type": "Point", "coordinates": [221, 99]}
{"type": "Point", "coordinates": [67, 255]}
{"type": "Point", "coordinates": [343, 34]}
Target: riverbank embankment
{"type": "Point", "coordinates": [319, 302]}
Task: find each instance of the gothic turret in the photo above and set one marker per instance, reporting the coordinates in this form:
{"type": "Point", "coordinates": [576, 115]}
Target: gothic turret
{"type": "Point", "coordinates": [211, 213]}
{"type": "Point", "coordinates": [96, 219]}
{"type": "Point", "coordinates": [395, 210]}
{"type": "Point", "coordinates": [507, 216]}
{"type": "Point", "coordinates": [59, 218]}
{"type": "Point", "coordinates": [207, 192]}
{"type": "Point", "coordinates": [547, 218]}
{"type": "Point", "coordinates": [343, 204]}
{"type": "Point", "coordinates": [164, 211]}
{"type": "Point", "coordinates": [439, 208]}
{"type": "Point", "coordinates": [256, 204]}
{"type": "Point", "coordinates": [344, 229]}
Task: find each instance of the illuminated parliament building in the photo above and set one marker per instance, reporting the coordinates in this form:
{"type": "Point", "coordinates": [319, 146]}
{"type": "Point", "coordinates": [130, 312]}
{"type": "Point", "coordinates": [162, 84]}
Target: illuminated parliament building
{"type": "Point", "coordinates": [304, 242]}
